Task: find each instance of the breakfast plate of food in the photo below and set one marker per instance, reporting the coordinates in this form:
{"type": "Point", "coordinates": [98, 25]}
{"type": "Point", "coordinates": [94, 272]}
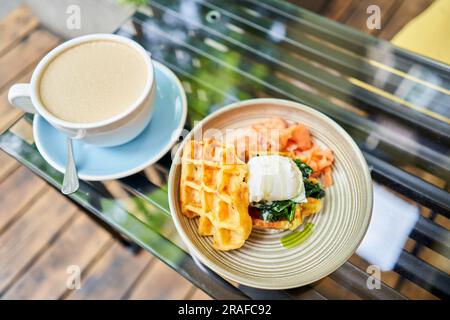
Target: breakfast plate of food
{"type": "Point", "coordinates": [270, 193]}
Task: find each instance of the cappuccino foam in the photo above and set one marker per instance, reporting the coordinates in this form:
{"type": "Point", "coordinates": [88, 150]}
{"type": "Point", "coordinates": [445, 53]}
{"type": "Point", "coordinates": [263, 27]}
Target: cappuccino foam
{"type": "Point", "coordinates": [93, 81]}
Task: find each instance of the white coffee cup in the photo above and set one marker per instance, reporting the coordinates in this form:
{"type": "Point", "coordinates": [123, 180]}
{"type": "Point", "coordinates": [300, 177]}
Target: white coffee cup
{"type": "Point", "coordinates": [114, 131]}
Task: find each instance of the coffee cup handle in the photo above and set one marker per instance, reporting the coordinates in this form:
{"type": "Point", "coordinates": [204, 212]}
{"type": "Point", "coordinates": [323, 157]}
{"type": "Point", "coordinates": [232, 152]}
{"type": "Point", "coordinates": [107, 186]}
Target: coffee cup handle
{"type": "Point", "coordinates": [19, 95]}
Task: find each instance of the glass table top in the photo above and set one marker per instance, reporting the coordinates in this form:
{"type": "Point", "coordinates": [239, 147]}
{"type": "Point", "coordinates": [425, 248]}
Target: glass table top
{"type": "Point", "coordinates": [394, 103]}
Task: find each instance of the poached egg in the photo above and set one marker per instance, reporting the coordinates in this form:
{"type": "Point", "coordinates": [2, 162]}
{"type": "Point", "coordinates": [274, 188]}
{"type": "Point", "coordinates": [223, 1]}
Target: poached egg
{"type": "Point", "coordinates": [274, 178]}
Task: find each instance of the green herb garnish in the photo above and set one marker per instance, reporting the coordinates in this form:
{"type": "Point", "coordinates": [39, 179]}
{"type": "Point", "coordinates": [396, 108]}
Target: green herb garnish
{"type": "Point", "coordinates": [304, 168]}
{"type": "Point", "coordinates": [297, 237]}
{"type": "Point", "coordinates": [313, 190]}
{"type": "Point", "coordinates": [285, 209]}
{"type": "Point", "coordinates": [276, 210]}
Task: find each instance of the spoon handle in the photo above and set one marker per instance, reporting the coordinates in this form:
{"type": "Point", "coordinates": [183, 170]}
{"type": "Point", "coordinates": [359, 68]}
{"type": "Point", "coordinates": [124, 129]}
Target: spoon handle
{"type": "Point", "coordinates": [70, 182]}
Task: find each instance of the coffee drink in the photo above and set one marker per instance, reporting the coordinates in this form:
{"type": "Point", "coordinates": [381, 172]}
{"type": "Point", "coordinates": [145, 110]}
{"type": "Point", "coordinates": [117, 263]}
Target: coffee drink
{"type": "Point", "coordinates": [93, 81]}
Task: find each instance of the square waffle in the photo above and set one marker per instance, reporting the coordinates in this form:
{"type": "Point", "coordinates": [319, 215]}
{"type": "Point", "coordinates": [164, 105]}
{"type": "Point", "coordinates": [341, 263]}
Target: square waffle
{"type": "Point", "coordinates": [213, 187]}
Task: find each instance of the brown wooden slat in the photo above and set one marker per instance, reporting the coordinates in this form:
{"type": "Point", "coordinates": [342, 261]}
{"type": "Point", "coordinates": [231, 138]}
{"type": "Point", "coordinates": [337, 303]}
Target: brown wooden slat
{"type": "Point", "coordinates": [413, 291]}
{"type": "Point", "coordinates": [442, 221]}
{"type": "Point", "coordinates": [14, 71]}
{"type": "Point", "coordinates": [306, 293]}
{"type": "Point", "coordinates": [10, 116]}
{"type": "Point", "coordinates": [425, 175]}
{"type": "Point", "coordinates": [16, 192]}
{"type": "Point", "coordinates": [30, 234]}
{"type": "Point", "coordinates": [355, 279]}
{"type": "Point", "coordinates": [409, 245]}
{"type": "Point", "coordinates": [312, 5]}
{"type": "Point", "coordinates": [47, 278]}
{"type": "Point", "coordinates": [112, 275]}
{"type": "Point", "coordinates": [161, 282]}
{"type": "Point", "coordinates": [334, 291]}
{"type": "Point", "coordinates": [24, 55]}
{"type": "Point", "coordinates": [338, 9]}
{"type": "Point", "coordinates": [15, 26]}
{"type": "Point", "coordinates": [405, 13]}
{"type": "Point", "coordinates": [23, 129]}
{"type": "Point", "coordinates": [7, 166]}
{"type": "Point", "coordinates": [200, 295]}
{"type": "Point", "coordinates": [435, 259]}
{"type": "Point", "coordinates": [358, 19]}
{"type": "Point", "coordinates": [390, 278]}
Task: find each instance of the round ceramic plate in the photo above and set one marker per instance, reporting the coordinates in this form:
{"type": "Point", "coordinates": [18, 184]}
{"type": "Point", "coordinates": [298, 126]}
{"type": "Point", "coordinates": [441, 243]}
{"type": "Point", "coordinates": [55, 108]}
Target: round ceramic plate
{"type": "Point", "coordinates": [265, 261]}
{"type": "Point", "coordinates": [99, 163]}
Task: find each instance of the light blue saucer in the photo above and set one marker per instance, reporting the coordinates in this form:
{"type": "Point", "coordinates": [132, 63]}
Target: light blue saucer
{"type": "Point", "coordinates": [99, 163]}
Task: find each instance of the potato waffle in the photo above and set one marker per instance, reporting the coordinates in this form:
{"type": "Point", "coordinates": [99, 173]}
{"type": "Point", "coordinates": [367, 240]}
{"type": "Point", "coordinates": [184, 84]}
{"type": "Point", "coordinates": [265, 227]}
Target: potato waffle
{"type": "Point", "coordinates": [213, 187]}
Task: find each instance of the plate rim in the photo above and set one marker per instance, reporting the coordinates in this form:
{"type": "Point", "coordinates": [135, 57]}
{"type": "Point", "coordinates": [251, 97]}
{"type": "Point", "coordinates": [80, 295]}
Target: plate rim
{"type": "Point", "coordinates": [230, 275]}
{"type": "Point", "coordinates": [136, 169]}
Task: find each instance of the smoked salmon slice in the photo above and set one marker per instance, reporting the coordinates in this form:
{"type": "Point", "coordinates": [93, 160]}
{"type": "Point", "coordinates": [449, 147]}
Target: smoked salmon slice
{"type": "Point", "coordinates": [277, 135]}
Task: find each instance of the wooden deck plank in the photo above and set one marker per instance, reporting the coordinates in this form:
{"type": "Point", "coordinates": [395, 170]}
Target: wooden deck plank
{"type": "Point", "coordinates": [112, 275]}
{"type": "Point", "coordinates": [405, 12]}
{"type": "Point", "coordinates": [435, 259]}
{"type": "Point", "coordinates": [161, 282]}
{"type": "Point", "coordinates": [7, 166]}
{"type": "Point", "coordinates": [312, 5]}
{"type": "Point", "coordinates": [390, 278]}
{"type": "Point", "coordinates": [333, 290]}
{"type": "Point", "coordinates": [15, 26]}
{"type": "Point", "coordinates": [28, 52]}
{"type": "Point", "coordinates": [18, 68]}
{"type": "Point", "coordinates": [78, 245]}
{"type": "Point", "coordinates": [200, 295]}
{"type": "Point", "coordinates": [413, 291]}
{"type": "Point", "coordinates": [442, 221]}
{"type": "Point", "coordinates": [339, 9]}
{"type": "Point", "coordinates": [16, 193]}
{"type": "Point", "coordinates": [31, 233]}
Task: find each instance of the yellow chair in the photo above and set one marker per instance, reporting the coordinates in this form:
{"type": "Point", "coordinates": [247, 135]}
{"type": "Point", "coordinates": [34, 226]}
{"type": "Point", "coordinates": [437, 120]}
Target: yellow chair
{"type": "Point", "coordinates": [429, 33]}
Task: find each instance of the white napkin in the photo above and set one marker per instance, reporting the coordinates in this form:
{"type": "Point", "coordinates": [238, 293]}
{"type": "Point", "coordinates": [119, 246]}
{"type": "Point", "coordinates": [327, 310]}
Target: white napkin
{"type": "Point", "coordinates": [392, 221]}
